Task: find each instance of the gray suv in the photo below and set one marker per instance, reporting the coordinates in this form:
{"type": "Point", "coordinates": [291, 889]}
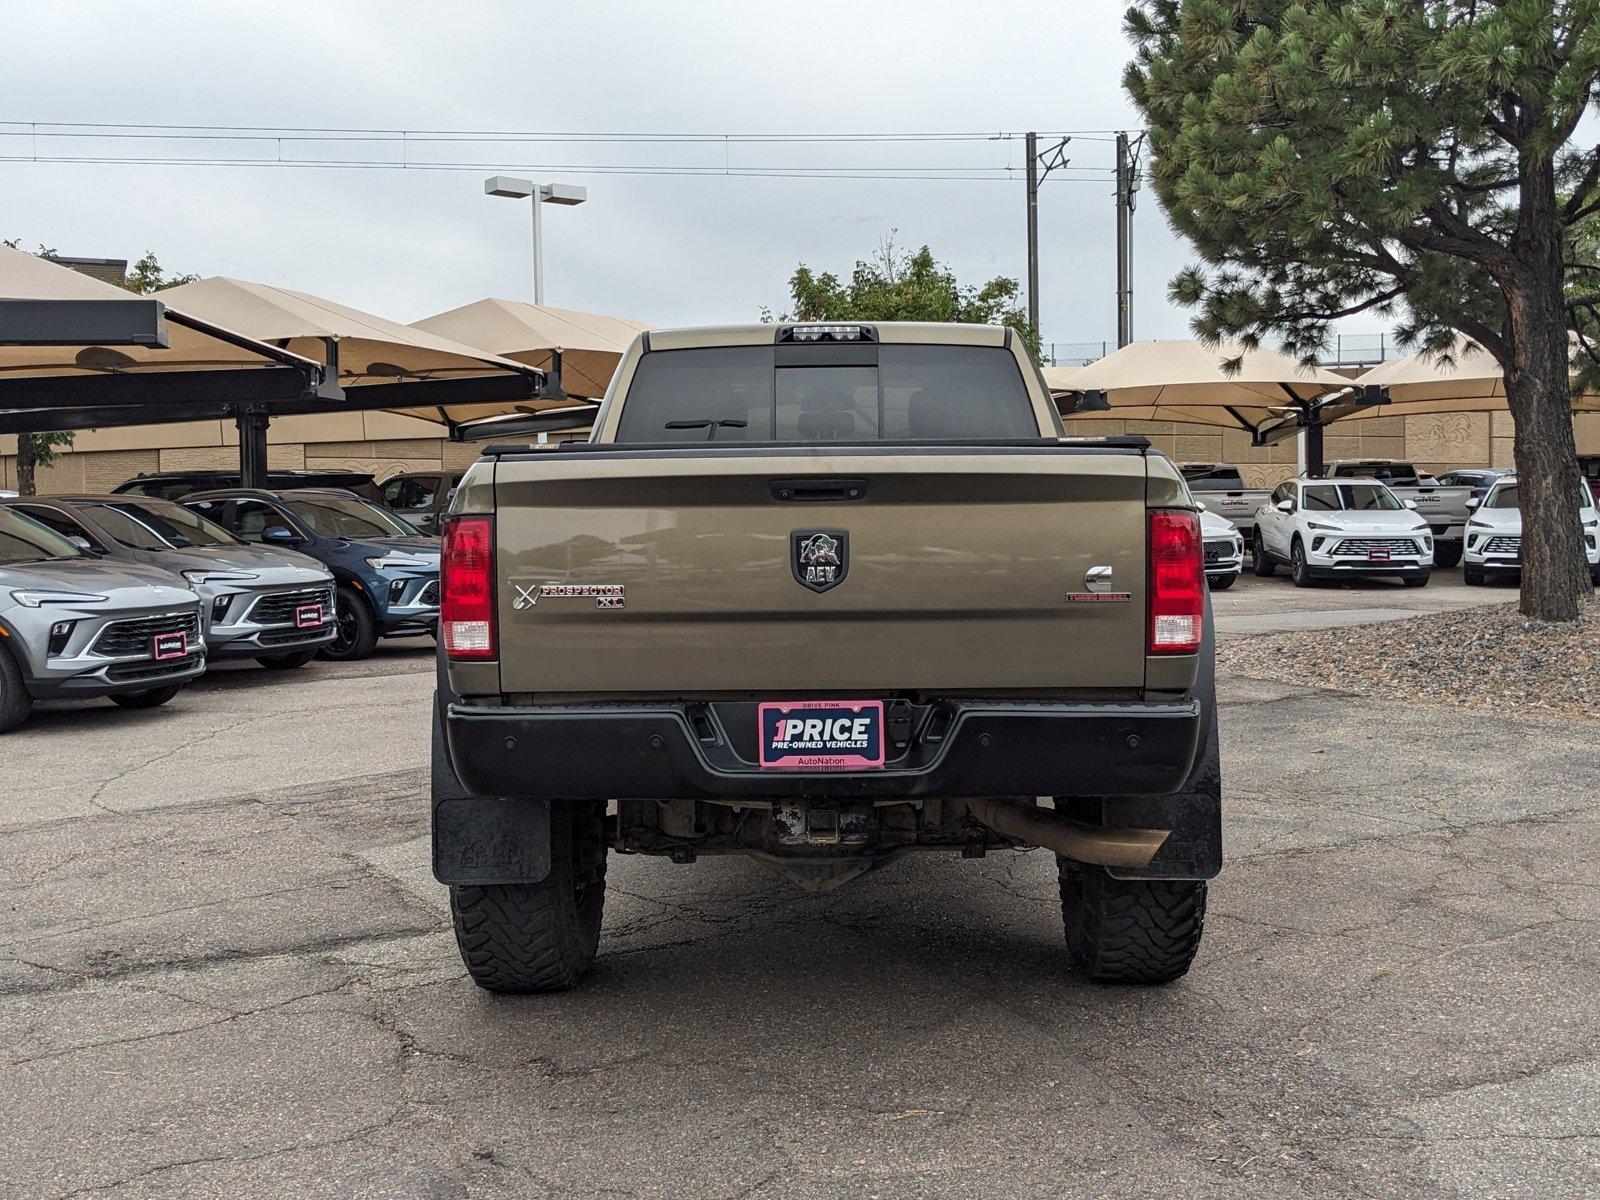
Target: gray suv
{"type": "Point", "coordinates": [74, 627]}
{"type": "Point", "coordinates": [259, 602]}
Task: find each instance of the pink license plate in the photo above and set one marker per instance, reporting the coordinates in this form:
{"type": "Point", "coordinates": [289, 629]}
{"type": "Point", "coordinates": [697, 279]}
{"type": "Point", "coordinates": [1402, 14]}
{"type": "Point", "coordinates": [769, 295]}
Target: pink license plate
{"type": "Point", "coordinates": [167, 646]}
{"type": "Point", "coordinates": [821, 735]}
{"type": "Point", "coordinates": [308, 616]}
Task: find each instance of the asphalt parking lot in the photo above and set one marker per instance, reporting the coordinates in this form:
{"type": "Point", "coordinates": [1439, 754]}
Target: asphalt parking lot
{"type": "Point", "coordinates": [225, 970]}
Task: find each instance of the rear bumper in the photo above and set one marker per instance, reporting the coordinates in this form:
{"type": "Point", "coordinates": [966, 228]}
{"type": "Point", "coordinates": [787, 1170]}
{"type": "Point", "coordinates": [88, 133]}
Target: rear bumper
{"type": "Point", "coordinates": [670, 751]}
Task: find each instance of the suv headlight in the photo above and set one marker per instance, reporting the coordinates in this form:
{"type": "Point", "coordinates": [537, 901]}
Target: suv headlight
{"type": "Point", "coordinates": [38, 599]}
{"type": "Point", "coordinates": [398, 561]}
{"type": "Point", "coordinates": [1324, 528]}
{"type": "Point", "coordinates": [1477, 524]}
{"type": "Point", "coordinates": [200, 576]}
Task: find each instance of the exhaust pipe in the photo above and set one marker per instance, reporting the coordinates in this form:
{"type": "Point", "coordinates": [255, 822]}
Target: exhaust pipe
{"type": "Point", "coordinates": [1027, 822]}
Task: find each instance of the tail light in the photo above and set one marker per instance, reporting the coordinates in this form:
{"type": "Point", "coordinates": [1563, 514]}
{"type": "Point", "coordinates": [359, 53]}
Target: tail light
{"type": "Point", "coordinates": [466, 584]}
{"type": "Point", "coordinates": [1176, 573]}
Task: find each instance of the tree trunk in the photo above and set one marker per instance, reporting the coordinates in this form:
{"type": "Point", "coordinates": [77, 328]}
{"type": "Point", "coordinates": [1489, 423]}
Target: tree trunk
{"type": "Point", "coordinates": [1555, 572]}
{"type": "Point", "coordinates": [27, 462]}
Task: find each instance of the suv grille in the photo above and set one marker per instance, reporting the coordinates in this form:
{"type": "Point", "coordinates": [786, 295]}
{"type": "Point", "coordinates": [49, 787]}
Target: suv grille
{"type": "Point", "coordinates": [1504, 545]}
{"type": "Point", "coordinates": [278, 608]}
{"type": "Point", "coordinates": [1217, 551]}
{"type": "Point", "coordinates": [1363, 546]}
{"type": "Point", "coordinates": [134, 639]}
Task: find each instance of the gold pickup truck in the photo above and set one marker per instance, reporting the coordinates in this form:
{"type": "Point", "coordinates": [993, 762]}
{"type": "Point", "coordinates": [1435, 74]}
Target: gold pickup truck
{"type": "Point", "coordinates": [822, 595]}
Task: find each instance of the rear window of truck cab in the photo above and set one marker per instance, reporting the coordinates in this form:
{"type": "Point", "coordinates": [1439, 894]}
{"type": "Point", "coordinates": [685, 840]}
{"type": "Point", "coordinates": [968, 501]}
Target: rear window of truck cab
{"type": "Point", "coordinates": [1348, 497]}
{"type": "Point", "coordinates": [1213, 479]}
{"type": "Point", "coordinates": [912, 392]}
{"type": "Point", "coordinates": [1403, 473]}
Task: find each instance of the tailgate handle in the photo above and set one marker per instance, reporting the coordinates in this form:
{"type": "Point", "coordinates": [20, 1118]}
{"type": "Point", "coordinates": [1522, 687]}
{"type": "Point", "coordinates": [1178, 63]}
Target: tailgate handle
{"type": "Point", "coordinates": [819, 489]}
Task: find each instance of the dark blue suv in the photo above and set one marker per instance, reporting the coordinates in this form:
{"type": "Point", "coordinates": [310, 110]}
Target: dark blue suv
{"type": "Point", "coordinates": [387, 573]}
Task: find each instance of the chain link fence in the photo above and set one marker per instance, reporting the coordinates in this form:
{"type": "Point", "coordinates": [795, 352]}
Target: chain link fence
{"type": "Point", "coordinates": [1075, 354]}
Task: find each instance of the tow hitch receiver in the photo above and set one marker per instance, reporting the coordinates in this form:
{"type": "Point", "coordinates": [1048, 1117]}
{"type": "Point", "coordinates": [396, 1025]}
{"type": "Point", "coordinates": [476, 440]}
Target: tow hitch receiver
{"type": "Point", "coordinates": [806, 823]}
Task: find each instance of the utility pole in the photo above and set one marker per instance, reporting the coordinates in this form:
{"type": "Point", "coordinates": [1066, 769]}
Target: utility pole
{"type": "Point", "coordinates": [1055, 156]}
{"type": "Point", "coordinates": [1033, 230]}
{"type": "Point", "coordinates": [1127, 185]}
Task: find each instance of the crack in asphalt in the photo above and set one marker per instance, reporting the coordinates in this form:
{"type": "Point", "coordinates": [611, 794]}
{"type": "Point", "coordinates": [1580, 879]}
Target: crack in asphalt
{"type": "Point", "coordinates": [232, 1159]}
{"type": "Point", "coordinates": [197, 962]}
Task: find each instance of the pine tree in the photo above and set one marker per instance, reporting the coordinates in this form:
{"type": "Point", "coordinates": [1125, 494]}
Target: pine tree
{"type": "Point", "coordinates": [1405, 157]}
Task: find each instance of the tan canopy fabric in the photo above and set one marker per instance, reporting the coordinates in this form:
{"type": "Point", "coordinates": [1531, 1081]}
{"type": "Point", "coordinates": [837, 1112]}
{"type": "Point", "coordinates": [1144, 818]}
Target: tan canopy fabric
{"type": "Point", "coordinates": [1185, 381]}
{"type": "Point", "coordinates": [1421, 384]}
{"type": "Point", "coordinates": [372, 350]}
{"type": "Point", "coordinates": [591, 345]}
{"type": "Point", "coordinates": [193, 344]}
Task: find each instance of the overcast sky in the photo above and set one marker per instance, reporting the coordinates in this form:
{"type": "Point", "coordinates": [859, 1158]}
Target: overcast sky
{"type": "Point", "coordinates": [662, 249]}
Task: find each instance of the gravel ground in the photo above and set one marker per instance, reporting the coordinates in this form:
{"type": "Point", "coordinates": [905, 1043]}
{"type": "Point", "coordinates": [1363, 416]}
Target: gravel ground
{"type": "Point", "coordinates": [1480, 658]}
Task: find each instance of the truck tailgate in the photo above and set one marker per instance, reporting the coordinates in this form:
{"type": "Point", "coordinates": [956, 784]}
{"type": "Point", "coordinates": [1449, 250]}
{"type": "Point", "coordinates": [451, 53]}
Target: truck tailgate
{"type": "Point", "coordinates": [956, 572]}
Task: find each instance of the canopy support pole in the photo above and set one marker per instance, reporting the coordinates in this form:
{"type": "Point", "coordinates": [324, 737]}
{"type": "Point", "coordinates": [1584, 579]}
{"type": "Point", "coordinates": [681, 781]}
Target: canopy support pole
{"type": "Point", "coordinates": [1316, 465]}
{"type": "Point", "coordinates": [1310, 421]}
{"type": "Point", "coordinates": [252, 426]}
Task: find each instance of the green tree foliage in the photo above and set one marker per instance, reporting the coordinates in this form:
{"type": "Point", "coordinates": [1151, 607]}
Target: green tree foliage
{"type": "Point", "coordinates": [35, 450]}
{"type": "Point", "coordinates": [1412, 158]}
{"type": "Point", "coordinates": [901, 285]}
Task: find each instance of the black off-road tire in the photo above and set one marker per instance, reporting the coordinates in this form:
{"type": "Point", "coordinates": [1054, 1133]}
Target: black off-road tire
{"type": "Point", "coordinates": [1136, 931]}
{"type": "Point", "coordinates": [357, 634]}
{"type": "Point", "coordinates": [1472, 576]}
{"type": "Point", "coordinates": [15, 703]}
{"type": "Point", "coordinates": [539, 937]}
{"type": "Point", "coordinates": [288, 662]}
{"type": "Point", "coordinates": [1221, 583]}
{"type": "Point", "coordinates": [1446, 554]}
{"type": "Point", "coordinates": [152, 698]}
{"type": "Point", "coordinates": [1299, 572]}
{"type": "Point", "coordinates": [1260, 559]}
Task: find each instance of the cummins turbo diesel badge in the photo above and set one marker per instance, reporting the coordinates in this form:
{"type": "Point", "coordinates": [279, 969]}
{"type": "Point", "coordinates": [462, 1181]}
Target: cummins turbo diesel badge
{"type": "Point", "coordinates": [820, 558]}
{"type": "Point", "coordinates": [605, 595]}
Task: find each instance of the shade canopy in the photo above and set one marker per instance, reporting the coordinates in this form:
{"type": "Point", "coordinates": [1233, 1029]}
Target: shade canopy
{"type": "Point", "coordinates": [1188, 381]}
{"type": "Point", "coordinates": [1467, 380]}
{"type": "Point", "coordinates": [1470, 381]}
{"type": "Point", "coordinates": [591, 345]}
{"type": "Point", "coordinates": [380, 363]}
{"type": "Point", "coordinates": [76, 352]}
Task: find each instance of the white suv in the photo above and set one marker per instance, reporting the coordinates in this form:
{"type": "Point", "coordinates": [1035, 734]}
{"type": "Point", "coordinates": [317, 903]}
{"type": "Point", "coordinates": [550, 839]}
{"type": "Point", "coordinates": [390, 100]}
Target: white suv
{"type": "Point", "coordinates": [1494, 534]}
{"type": "Point", "coordinates": [1224, 549]}
{"type": "Point", "coordinates": [1338, 529]}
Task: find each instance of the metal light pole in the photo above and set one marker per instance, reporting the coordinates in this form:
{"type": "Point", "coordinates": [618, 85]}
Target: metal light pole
{"type": "Point", "coordinates": [540, 193]}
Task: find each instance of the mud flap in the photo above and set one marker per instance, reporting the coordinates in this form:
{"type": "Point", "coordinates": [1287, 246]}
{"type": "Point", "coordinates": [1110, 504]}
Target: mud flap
{"type": "Point", "coordinates": [483, 839]}
{"type": "Point", "coordinates": [1194, 851]}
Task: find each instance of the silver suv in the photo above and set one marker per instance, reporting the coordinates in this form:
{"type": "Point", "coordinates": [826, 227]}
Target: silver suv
{"type": "Point", "coordinates": [259, 602]}
{"type": "Point", "coordinates": [75, 627]}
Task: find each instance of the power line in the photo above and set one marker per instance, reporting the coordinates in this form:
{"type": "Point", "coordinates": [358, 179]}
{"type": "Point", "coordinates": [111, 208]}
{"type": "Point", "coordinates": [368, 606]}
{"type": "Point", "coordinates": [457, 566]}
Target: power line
{"type": "Point", "coordinates": [360, 133]}
{"type": "Point", "coordinates": [287, 139]}
{"type": "Point", "coordinates": [997, 174]}
{"type": "Point", "coordinates": [291, 146]}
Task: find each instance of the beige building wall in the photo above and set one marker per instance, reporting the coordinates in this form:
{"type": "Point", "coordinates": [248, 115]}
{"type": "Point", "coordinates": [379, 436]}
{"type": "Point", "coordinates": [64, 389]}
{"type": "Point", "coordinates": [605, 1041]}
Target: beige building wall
{"type": "Point", "coordinates": [384, 445]}
{"type": "Point", "coordinates": [380, 443]}
{"type": "Point", "coordinates": [1434, 443]}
